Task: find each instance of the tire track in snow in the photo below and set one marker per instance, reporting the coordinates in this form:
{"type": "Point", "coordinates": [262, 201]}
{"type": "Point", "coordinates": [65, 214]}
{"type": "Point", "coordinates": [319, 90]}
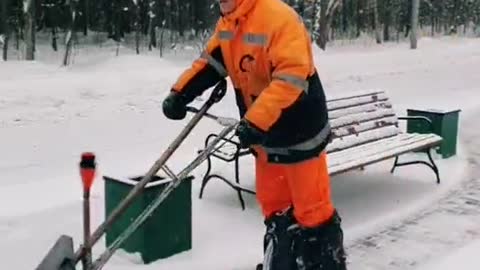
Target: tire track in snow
{"type": "Point", "coordinates": [448, 224]}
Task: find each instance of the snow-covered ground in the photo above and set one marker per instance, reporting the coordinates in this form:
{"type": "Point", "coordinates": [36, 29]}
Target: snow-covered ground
{"type": "Point", "coordinates": [112, 106]}
{"type": "Point", "coordinates": [465, 258]}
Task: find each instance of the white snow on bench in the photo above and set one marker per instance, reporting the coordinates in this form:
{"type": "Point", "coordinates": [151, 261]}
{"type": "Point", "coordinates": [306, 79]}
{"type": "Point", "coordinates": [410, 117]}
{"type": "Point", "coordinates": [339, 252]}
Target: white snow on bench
{"type": "Point", "coordinates": [364, 137]}
{"type": "Point", "coordinates": [340, 95]}
{"type": "Point", "coordinates": [365, 147]}
{"type": "Point", "coordinates": [370, 107]}
{"type": "Point", "coordinates": [362, 117]}
{"type": "Point", "coordinates": [344, 131]}
{"type": "Point", "coordinates": [381, 150]}
{"type": "Point", "coordinates": [355, 101]}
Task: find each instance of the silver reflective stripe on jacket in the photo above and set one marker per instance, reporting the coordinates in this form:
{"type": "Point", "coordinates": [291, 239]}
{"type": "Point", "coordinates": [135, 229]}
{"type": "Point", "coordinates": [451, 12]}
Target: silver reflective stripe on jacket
{"type": "Point", "coordinates": [310, 144]}
{"type": "Point", "coordinates": [255, 39]}
{"type": "Point", "coordinates": [293, 80]}
{"type": "Point", "coordinates": [225, 35]}
{"type": "Point", "coordinates": [215, 64]}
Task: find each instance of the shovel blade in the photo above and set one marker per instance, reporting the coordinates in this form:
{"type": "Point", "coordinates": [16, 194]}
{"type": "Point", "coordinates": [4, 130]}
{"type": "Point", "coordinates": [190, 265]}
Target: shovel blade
{"type": "Point", "coordinates": [60, 256]}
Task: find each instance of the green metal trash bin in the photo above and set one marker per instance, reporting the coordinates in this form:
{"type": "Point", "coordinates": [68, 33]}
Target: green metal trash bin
{"type": "Point", "coordinates": [445, 124]}
{"type": "Point", "coordinates": [166, 232]}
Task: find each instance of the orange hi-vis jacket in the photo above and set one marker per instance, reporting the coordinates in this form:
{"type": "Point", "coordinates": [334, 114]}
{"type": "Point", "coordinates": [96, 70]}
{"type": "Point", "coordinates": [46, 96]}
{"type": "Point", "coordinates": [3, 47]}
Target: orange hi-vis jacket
{"type": "Point", "coordinates": [265, 49]}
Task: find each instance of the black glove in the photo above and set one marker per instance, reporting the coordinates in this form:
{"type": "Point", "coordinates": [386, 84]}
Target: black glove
{"type": "Point", "coordinates": [249, 135]}
{"type": "Point", "coordinates": [175, 106]}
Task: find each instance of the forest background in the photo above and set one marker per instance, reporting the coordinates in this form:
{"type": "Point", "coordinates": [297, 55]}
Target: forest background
{"type": "Point", "coordinates": [148, 25]}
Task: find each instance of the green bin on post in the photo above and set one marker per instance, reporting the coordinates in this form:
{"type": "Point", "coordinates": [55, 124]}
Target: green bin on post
{"type": "Point", "coordinates": [445, 124]}
{"type": "Point", "coordinates": [166, 232]}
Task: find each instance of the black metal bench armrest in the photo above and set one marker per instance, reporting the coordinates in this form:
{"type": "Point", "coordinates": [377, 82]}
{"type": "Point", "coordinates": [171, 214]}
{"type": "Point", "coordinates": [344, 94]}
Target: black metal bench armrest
{"type": "Point", "coordinates": [237, 151]}
{"type": "Point", "coordinates": [213, 135]}
{"type": "Point", "coordinates": [421, 118]}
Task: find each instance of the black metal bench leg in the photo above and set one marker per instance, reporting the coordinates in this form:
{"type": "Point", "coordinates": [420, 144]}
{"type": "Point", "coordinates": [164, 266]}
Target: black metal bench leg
{"type": "Point", "coordinates": [238, 188]}
{"type": "Point", "coordinates": [237, 180]}
{"type": "Point", "coordinates": [206, 177]}
{"type": "Point", "coordinates": [434, 166]}
{"type": "Point", "coordinates": [232, 185]}
{"type": "Point", "coordinates": [394, 165]}
{"type": "Point", "coordinates": [430, 164]}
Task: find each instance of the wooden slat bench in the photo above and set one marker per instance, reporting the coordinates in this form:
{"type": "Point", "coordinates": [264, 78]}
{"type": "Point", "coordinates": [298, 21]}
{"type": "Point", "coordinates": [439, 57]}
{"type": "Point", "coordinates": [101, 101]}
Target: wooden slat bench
{"type": "Point", "coordinates": [365, 130]}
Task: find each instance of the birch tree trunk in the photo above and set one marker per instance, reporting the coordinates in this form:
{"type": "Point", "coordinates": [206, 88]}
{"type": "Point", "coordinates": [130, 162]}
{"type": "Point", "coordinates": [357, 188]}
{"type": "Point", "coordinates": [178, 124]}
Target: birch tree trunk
{"type": "Point", "coordinates": [162, 32]}
{"type": "Point", "coordinates": [453, 18]}
{"type": "Point", "coordinates": [413, 32]}
{"type": "Point", "coordinates": [323, 31]}
{"type": "Point", "coordinates": [71, 32]}
{"type": "Point", "coordinates": [5, 47]}
{"type": "Point", "coordinates": [54, 38]}
{"type": "Point", "coordinates": [327, 10]}
{"type": "Point", "coordinates": [137, 27]}
{"type": "Point", "coordinates": [29, 32]}
{"type": "Point", "coordinates": [387, 21]}
{"type": "Point", "coordinates": [378, 29]}
{"type": "Point", "coordinates": [344, 17]}
{"type": "Point", "coordinates": [152, 25]}
{"type": "Point", "coordinates": [6, 30]}
{"type": "Point", "coordinates": [85, 27]}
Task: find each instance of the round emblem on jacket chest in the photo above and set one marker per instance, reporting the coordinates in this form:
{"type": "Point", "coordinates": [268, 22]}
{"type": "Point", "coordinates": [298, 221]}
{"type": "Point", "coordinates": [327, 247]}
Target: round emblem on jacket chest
{"type": "Point", "coordinates": [246, 63]}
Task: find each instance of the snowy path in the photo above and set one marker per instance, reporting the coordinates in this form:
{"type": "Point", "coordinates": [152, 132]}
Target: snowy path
{"type": "Point", "coordinates": [449, 224]}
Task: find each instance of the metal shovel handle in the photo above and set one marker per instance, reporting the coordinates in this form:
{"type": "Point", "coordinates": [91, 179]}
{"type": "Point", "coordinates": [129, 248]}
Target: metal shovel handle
{"type": "Point", "coordinates": [223, 121]}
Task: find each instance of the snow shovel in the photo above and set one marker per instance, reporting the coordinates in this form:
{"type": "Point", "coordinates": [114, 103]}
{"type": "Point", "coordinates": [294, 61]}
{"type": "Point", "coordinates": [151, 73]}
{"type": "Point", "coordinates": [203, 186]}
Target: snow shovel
{"type": "Point", "coordinates": [61, 255]}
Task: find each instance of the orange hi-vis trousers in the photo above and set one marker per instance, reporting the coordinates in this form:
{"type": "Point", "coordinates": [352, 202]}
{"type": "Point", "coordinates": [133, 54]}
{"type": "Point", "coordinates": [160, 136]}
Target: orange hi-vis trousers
{"type": "Point", "coordinates": [305, 186]}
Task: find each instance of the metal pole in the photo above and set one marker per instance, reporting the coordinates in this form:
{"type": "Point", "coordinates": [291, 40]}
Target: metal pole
{"type": "Point", "coordinates": [87, 259]}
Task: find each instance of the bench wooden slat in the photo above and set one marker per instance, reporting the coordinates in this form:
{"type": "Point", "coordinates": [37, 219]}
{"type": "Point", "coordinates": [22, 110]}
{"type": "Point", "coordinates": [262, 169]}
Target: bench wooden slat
{"type": "Point", "coordinates": [353, 101]}
{"type": "Point", "coordinates": [366, 147]}
{"type": "Point", "coordinates": [378, 147]}
{"type": "Point", "coordinates": [361, 117]}
{"type": "Point", "coordinates": [352, 95]}
{"type": "Point", "coordinates": [364, 137]}
{"type": "Point", "coordinates": [365, 126]}
{"type": "Point", "coordinates": [427, 141]}
{"type": "Point", "coordinates": [371, 107]}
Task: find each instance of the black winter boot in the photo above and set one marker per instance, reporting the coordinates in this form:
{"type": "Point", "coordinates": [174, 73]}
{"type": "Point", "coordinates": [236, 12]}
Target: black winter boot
{"type": "Point", "coordinates": [320, 248]}
{"type": "Point", "coordinates": [278, 242]}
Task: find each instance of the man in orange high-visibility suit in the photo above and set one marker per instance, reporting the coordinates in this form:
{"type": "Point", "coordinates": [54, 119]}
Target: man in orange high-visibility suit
{"type": "Point", "coordinates": [265, 49]}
